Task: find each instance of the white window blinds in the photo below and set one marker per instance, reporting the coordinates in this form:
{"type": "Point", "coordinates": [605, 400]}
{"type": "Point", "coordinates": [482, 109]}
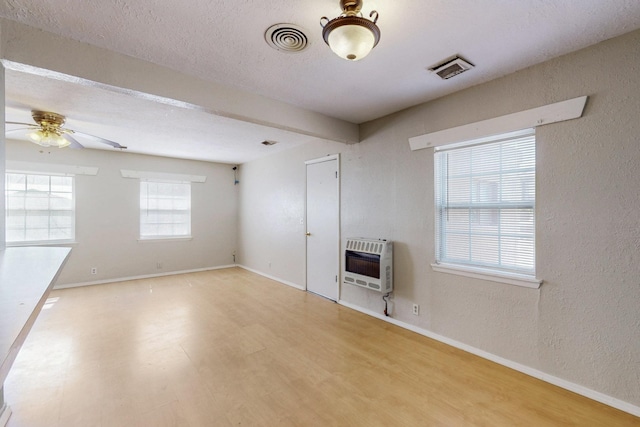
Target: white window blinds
{"type": "Point", "coordinates": [39, 208]}
{"type": "Point", "coordinates": [165, 209]}
{"type": "Point", "coordinates": [485, 204]}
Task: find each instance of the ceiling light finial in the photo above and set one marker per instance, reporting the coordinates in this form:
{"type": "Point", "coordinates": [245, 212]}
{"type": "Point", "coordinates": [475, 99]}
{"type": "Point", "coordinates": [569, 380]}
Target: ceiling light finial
{"type": "Point", "coordinates": [350, 36]}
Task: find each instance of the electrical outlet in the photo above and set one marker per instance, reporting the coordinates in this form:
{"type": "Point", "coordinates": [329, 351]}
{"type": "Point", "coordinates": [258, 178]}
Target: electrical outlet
{"type": "Point", "coordinates": [158, 265]}
{"type": "Point", "coordinates": [416, 310]}
{"type": "Point", "coordinates": [94, 270]}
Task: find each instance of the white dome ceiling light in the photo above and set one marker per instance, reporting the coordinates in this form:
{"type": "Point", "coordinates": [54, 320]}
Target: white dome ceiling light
{"type": "Point", "coordinates": [351, 36]}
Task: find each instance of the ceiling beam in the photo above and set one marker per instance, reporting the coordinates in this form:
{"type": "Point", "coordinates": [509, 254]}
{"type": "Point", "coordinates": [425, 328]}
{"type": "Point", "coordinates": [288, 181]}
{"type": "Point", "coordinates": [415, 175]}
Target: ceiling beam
{"type": "Point", "coordinates": [29, 49]}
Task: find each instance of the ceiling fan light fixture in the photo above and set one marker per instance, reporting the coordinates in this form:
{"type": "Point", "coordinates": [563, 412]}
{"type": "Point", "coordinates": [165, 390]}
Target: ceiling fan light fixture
{"type": "Point", "coordinates": [49, 131]}
{"type": "Point", "coordinates": [48, 139]}
{"type": "Point", "coordinates": [350, 36]}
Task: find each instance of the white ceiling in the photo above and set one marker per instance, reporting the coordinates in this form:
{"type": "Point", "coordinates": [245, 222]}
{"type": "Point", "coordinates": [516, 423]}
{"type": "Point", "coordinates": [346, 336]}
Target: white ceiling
{"type": "Point", "coordinates": [223, 42]}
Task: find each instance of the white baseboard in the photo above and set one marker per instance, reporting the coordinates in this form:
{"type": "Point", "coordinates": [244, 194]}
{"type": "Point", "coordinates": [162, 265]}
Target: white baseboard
{"type": "Point", "coordinates": [576, 388]}
{"type": "Point", "coordinates": [145, 276]}
{"type": "Point", "coordinates": [284, 282]}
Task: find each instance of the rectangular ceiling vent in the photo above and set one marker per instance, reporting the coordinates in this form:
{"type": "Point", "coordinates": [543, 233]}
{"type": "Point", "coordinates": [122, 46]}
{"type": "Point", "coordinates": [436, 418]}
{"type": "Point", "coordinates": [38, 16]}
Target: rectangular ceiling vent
{"type": "Point", "coordinates": [451, 67]}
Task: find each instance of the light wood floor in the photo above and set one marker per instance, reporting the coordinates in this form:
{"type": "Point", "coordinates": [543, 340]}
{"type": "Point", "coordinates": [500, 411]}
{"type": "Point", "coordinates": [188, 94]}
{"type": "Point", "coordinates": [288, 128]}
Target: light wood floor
{"type": "Point", "coordinates": [229, 348]}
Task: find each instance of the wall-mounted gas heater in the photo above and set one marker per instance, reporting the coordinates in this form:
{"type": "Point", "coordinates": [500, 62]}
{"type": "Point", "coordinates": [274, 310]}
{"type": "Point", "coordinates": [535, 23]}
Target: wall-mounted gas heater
{"type": "Point", "coordinates": [369, 263]}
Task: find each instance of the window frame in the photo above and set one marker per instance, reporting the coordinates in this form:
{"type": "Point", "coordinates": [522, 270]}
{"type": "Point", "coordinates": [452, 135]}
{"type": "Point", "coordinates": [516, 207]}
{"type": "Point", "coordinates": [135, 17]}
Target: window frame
{"type": "Point", "coordinates": [496, 273]}
{"type": "Point", "coordinates": [46, 242]}
{"type": "Point", "coordinates": [160, 237]}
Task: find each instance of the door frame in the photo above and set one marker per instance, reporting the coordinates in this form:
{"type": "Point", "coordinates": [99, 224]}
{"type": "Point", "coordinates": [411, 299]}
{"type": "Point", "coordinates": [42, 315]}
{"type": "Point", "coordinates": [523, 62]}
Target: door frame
{"type": "Point", "coordinates": [327, 158]}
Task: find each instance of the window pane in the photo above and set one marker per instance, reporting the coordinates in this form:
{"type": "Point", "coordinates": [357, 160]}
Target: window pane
{"type": "Point", "coordinates": [485, 204]}
{"type": "Point", "coordinates": [15, 200]}
{"type": "Point", "coordinates": [16, 182]}
{"type": "Point", "coordinates": [38, 183]}
{"type": "Point", "coordinates": [35, 200]}
{"type": "Point", "coordinates": [459, 190]}
{"type": "Point", "coordinates": [457, 246]}
{"type": "Point", "coordinates": [485, 249]}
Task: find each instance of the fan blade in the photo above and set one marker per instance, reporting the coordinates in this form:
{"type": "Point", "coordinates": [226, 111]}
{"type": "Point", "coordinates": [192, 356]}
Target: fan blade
{"type": "Point", "coordinates": [18, 130]}
{"type": "Point", "coordinates": [74, 142]}
{"type": "Point", "coordinates": [102, 140]}
{"type": "Point", "coordinates": [20, 123]}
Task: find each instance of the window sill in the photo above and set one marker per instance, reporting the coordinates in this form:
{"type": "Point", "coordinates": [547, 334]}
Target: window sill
{"type": "Point", "coordinates": [44, 243]}
{"type": "Point", "coordinates": [484, 274]}
{"type": "Point", "coordinates": [164, 239]}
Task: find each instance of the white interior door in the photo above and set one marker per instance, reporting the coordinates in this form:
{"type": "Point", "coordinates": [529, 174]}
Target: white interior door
{"type": "Point", "coordinates": [323, 227]}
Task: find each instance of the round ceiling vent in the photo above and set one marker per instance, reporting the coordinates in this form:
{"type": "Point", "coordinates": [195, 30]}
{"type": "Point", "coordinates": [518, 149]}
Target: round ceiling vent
{"type": "Point", "coordinates": [286, 38]}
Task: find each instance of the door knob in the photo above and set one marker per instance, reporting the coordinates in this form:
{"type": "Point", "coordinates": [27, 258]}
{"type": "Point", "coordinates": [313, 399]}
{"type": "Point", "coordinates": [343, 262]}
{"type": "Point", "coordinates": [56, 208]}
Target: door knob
{"type": "Point", "coordinates": [308, 234]}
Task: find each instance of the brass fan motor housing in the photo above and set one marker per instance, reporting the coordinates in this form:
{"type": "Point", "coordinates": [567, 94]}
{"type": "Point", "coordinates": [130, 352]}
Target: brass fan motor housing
{"type": "Point", "coordinates": [49, 121]}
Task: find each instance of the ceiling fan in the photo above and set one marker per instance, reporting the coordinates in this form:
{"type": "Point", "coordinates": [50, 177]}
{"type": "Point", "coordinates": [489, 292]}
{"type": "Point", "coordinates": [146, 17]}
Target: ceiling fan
{"type": "Point", "coordinates": [49, 131]}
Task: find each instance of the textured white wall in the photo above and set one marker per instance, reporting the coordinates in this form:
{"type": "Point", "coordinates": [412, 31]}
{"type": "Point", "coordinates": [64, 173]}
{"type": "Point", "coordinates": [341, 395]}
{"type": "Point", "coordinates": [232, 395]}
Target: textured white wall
{"type": "Point", "coordinates": [583, 324]}
{"type": "Point", "coordinates": [108, 209]}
